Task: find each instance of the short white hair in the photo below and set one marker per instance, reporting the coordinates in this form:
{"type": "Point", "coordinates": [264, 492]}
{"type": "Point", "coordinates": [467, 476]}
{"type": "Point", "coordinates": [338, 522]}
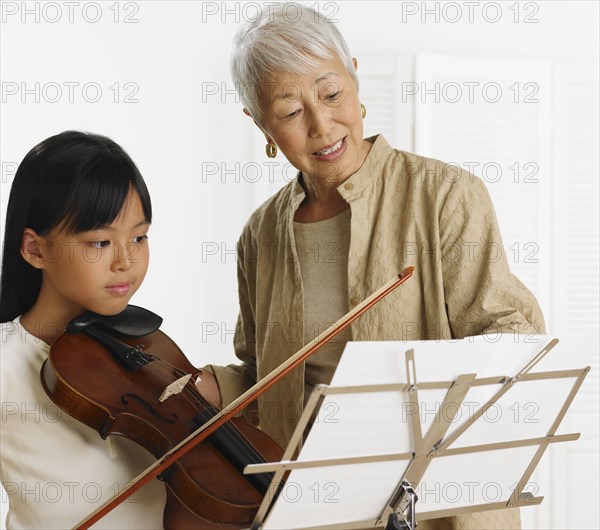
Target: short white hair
{"type": "Point", "coordinates": [283, 38]}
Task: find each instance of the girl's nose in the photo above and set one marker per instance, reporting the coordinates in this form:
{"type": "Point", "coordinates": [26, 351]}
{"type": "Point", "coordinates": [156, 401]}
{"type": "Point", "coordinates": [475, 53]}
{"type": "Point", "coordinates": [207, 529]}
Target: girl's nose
{"type": "Point", "coordinates": [123, 258]}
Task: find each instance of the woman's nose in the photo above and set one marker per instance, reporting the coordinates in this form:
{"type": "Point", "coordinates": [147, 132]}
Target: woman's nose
{"type": "Point", "coordinates": [320, 123]}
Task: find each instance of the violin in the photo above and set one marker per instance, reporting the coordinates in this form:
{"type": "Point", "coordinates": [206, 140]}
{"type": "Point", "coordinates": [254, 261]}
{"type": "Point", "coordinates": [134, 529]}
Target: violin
{"type": "Point", "coordinates": [121, 375]}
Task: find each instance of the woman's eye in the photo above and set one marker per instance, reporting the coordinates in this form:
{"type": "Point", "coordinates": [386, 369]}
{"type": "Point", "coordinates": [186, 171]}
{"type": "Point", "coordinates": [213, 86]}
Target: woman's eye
{"type": "Point", "coordinates": [100, 244]}
{"type": "Point", "coordinates": [292, 114]}
{"type": "Point", "coordinates": [334, 96]}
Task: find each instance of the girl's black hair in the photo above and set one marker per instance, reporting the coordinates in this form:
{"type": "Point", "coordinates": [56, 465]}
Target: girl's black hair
{"type": "Point", "coordinates": [74, 181]}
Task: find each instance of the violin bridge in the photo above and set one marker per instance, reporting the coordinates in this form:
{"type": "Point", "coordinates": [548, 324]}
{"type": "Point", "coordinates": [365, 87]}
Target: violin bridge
{"type": "Point", "coordinates": [175, 387]}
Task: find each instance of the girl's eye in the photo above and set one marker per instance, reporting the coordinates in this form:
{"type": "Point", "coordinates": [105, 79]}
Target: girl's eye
{"type": "Point", "coordinates": [100, 244]}
{"type": "Point", "coordinates": [140, 239]}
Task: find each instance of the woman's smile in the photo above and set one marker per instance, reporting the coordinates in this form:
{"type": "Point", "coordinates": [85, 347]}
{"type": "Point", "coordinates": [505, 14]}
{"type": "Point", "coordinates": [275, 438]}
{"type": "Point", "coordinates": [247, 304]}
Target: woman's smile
{"type": "Point", "coordinates": [332, 152]}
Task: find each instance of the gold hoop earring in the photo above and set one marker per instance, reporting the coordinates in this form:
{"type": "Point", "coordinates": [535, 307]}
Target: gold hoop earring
{"type": "Point", "coordinates": [363, 111]}
{"type": "Point", "coordinates": [271, 150]}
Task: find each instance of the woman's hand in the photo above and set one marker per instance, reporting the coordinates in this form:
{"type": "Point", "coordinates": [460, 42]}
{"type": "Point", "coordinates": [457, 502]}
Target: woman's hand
{"type": "Point", "coordinates": [208, 387]}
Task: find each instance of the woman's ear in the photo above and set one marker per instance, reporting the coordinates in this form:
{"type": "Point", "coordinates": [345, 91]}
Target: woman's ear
{"type": "Point", "coordinates": [355, 63]}
{"type": "Point", "coordinates": [247, 113]}
{"type": "Point", "coordinates": [31, 248]}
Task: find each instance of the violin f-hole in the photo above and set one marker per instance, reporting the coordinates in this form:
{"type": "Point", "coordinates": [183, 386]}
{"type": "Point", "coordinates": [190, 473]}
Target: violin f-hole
{"type": "Point", "coordinates": [148, 407]}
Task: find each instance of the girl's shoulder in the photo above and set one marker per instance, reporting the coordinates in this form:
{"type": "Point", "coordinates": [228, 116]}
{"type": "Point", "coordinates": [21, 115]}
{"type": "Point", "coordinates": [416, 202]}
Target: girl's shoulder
{"type": "Point", "coordinates": [14, 336]}
{"type": "Point", "coordinates": [21, 355]}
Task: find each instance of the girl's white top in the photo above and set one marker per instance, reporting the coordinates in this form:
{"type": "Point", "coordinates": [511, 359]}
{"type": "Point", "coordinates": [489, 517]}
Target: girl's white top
{"type": "Point", "coordinates": [55, 470]}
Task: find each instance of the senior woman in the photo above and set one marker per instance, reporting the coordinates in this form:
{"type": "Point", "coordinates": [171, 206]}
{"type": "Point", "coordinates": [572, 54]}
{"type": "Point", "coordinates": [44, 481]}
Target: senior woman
{"type": "Point", "coordinates": [358, 212]}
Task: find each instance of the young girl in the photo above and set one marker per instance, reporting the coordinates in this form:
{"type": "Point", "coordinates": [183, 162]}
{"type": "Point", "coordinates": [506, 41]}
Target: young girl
{"type": "Point", "coordinates": [75, 240]}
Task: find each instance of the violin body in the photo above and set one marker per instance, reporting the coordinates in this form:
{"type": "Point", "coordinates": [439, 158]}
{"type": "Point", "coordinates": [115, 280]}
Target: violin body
{"type": "Point", "coordinates": [206, 488]}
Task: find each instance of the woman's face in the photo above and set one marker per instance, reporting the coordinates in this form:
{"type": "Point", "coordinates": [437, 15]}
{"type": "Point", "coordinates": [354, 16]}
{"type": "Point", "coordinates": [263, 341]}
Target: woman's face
{"type": "Point", "coordinates": [316, 120]}
{"type": "Point", "coordinates": [98, 270]}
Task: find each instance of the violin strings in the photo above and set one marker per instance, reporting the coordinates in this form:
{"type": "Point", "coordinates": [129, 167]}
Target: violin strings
{"type": "Point", "coordinates": [237, 438]}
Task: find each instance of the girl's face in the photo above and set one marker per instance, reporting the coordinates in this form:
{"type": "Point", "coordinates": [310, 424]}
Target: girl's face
{"type": "Point", "coordinates": [316, 120]}
{"type": "Point", "coordinates": [98, 270]}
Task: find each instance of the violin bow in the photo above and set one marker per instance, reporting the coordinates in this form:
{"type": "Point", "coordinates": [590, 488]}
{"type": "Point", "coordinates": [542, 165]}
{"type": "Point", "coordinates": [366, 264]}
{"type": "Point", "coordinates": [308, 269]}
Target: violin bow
{"type": "Point", "coordinates": [244, 400]}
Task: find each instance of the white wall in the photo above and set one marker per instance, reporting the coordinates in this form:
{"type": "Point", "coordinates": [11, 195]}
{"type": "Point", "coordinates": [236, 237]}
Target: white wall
{"type": "Point", "coordinates": [171, 54]}
{"type": "Point", "coordinates": [170, 61]}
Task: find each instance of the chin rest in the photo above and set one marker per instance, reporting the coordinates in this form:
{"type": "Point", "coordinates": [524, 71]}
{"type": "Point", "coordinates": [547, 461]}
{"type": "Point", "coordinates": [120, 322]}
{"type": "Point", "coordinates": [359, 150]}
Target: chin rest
{"type": "Point", "coordinates": [133, 322]}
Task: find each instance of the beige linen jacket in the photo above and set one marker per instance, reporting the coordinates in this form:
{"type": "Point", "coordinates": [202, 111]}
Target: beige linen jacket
{"type": "Point", "coordinates": [406, 210]}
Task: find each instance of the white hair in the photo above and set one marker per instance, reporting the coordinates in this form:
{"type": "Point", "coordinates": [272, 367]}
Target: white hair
{"type": "Point", "coordinates": [283, 38]}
